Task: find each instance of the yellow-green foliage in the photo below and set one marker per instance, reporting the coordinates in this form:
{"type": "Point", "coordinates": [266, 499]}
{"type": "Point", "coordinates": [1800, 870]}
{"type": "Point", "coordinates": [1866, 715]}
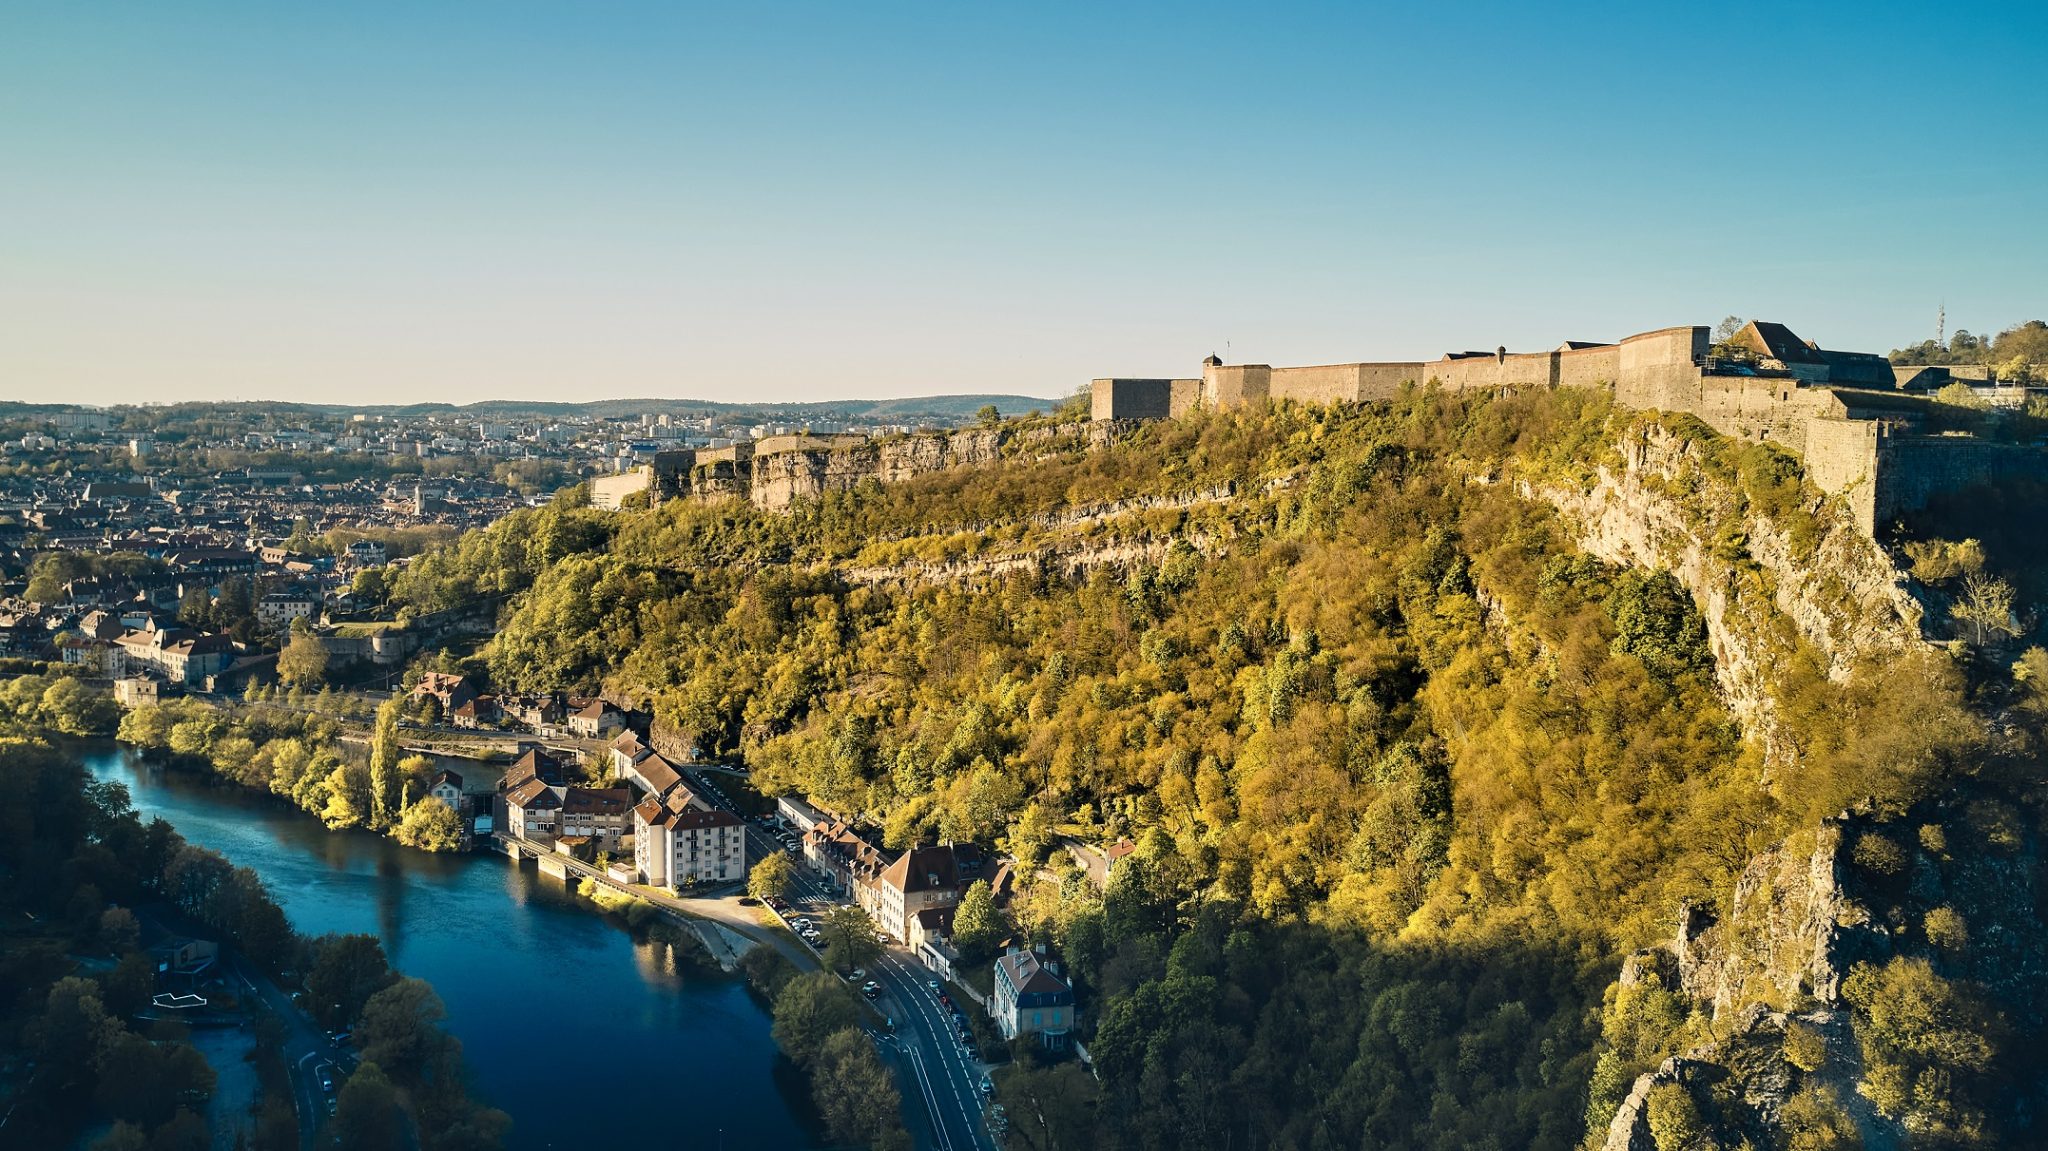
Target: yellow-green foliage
{"type": "Point", "coordinates": [1946, 929]}
{"type": "Point", "coordinates": [1928, 1047]}
{"type": "Point", "coordinates": [290, 754]}
{"type": "Point", "coordinates": [1815, 1120]}
{"type": "Point", "coordinates": [1941, 561]}
{"type": "Point", "coordinates": [429, 825]}
{"type": "Point", "coordinates": [1406, 773]}
{"type": "Point", "coordinates": [1879, 853]}
{"type": "Point", "coordinates": [1675, 1122]}
{"type": "Point", "coordinates": [1805, 1046]}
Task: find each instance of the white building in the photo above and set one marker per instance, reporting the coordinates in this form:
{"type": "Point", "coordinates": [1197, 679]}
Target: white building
{"type": "Point", "coordinates": [678, 842]}
{"type": "Point", "coordinates": [282, 607]}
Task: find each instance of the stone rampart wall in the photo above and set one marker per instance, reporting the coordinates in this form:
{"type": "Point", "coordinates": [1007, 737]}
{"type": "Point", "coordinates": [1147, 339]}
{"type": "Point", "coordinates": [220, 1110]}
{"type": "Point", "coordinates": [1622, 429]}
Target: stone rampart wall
{"type": "Point", "coordinates": [1589, 367]}
{"type": "Point", "coordinates": [1911, 470]}
{"type": "Point", "coordinates": [1475, 373]}
{"type": "Point", "coordinates": [1660, 369]}
{"type": "Point", "coordinates": [1129, 399]}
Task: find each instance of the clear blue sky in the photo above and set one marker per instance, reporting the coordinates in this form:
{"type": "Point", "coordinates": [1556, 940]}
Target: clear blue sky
{"type": "Point", "coordinates": [400, 201]}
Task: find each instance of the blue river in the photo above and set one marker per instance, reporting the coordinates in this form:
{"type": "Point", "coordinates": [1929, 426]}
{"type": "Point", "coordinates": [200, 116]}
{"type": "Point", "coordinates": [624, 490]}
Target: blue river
{"type": "Point", "coordinates": [585, 1036]}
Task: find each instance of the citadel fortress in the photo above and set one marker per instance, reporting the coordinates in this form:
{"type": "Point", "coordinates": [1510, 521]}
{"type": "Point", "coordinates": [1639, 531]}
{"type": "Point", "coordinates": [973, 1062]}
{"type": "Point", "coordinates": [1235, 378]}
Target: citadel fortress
{"type": "Point", "coordinates": [1866, 430]}
{"type": "Point", "coordinates": [1861, 425]}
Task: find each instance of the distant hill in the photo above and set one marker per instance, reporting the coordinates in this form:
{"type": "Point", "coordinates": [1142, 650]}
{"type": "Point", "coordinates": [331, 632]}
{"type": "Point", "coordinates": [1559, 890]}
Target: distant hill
{"type": "Point", "coordinates": [948, 409]}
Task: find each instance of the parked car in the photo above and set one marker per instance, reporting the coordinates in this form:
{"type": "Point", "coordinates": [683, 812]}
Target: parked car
{"type": "Point", "coordinates": [987, 1086]}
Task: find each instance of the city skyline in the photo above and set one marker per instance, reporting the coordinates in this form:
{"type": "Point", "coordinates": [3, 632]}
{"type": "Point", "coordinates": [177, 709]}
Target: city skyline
{"type": "Point", "coordinates": [391, 205]}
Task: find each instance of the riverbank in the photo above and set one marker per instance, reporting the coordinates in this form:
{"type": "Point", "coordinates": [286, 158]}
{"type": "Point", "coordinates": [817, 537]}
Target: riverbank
{"type": "Point", "coordinates": [555, 1005]}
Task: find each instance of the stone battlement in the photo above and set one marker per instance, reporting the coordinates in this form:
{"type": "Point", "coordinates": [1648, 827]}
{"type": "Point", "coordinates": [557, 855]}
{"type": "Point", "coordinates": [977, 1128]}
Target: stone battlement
{"type": "Point", "coordinates": [1855, 421]}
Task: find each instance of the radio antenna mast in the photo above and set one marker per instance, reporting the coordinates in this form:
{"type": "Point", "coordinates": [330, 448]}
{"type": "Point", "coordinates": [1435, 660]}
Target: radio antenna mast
{"type": "Point", "coordinates": [1941, 325]}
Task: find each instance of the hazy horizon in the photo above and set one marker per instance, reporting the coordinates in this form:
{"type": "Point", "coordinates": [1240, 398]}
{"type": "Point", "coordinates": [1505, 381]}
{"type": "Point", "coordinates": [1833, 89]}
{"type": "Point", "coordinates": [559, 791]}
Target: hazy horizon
{"type": "Point", "coordinates": [388, 204]}
{"type": "Point", "coordinates": [670, 401]}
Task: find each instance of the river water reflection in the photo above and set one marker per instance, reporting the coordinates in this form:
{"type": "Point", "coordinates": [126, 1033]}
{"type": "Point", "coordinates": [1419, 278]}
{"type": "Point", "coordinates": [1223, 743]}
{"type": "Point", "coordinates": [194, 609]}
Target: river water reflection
{"type": "Point", "coordinates": [583, 1035]}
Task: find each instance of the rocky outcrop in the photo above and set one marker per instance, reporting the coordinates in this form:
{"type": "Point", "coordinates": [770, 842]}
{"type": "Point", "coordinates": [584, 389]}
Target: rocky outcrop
{"type": "Point", "coordinates": [1630, 1130]}
{"type": "Point", "coordinates": [1741, 1083]}
{"type": "Point", "coordinates": [780, 474]}
{"type": "Point", "coordinates": [1662, 506]}
{"type": "Point", "coordinates": [1791, 931]}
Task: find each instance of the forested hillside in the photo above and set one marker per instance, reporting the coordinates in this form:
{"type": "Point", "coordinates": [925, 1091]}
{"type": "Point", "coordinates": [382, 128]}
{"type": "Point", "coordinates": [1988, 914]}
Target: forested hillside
{"type": "Point", "coordinates": [1410, 776]}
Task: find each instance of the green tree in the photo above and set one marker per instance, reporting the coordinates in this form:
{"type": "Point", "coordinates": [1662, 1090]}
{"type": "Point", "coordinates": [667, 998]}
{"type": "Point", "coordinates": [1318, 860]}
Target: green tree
{"type": "Point", "coordinates": [366, 1112]}
{"type": "Point", "coordinates": [772, 877]}
{"type": "Point", "coordinates": [398, 1029]}
{"type": "Point", "coordinates": [1927, 1045]}
{"type": "Point", "coordinates": [347, 970]}
{"type": "Point", "coordinates": [430, 825]}
{"type": "Point", "coordinates": [1675, 1122]}
{"type": "Point", "coordinates": [143, 1081]}
{"type": "Point", "coordinates": [195, 607]}
{"type": "Point", "coordinates": [1049, 1108]}
{"type": "Point", "coordinates": [76, 709]}
{"type": "Point", "coordinates": [303, 662]}
{"type": "Point", "coordinates": [384, 751]}
{"type": "Point", "coordinates": [810, 1009]}
{"type": "Point", "coordinates": [371, 586]}
{"type": "Point", "coordinates": [849, 938]}
{"type": "Point", "coordinates": [1815, 1120]}
{"type": "Point", "coordinates": [976, 930]}
{"type": "Point", "coordinates": [855, 1094]}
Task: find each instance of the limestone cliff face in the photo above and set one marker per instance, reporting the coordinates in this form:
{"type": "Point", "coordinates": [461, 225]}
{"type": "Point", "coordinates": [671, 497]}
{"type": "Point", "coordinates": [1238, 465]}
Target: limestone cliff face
{"type": "Point", "coordinates": [779, 479]}
{"type": "Point", "coordinates": [1663, 507]}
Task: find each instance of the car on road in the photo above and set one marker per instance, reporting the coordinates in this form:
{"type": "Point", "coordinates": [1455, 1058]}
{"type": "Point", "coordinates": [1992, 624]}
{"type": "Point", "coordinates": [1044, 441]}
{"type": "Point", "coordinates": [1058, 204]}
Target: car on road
{"type": "Point", "coordinates": [932, 983]}
{"type": "Point", "coordinates": [330, 1105]}
{"type": "Point", "coordinates": [871, 989]}
{"type": "Point", "coordinates": [326, 1080]}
